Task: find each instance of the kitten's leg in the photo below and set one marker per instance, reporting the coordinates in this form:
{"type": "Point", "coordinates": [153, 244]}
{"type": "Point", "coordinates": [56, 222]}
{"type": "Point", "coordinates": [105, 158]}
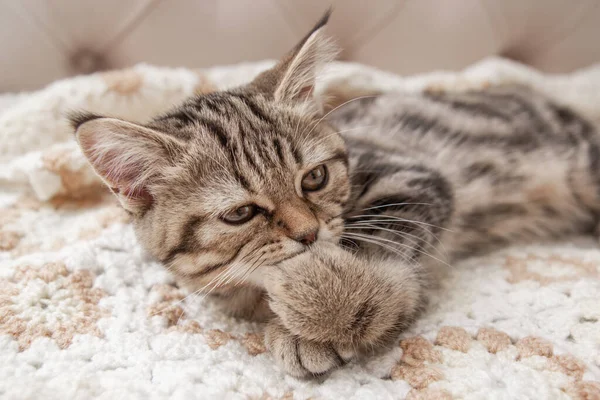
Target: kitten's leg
{"type": "Point", "coordinates": [331, 305]}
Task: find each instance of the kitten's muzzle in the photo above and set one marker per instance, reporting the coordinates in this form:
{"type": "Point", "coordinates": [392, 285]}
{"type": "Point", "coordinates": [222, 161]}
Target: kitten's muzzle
{"type": "Point", "coordinates": [307, 238]}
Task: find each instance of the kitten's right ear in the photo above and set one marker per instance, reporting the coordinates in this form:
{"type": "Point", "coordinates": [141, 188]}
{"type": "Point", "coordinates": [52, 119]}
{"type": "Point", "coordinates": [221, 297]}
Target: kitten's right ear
{"type": "Point", "coordinates": [293, 77]}
{"type": "Point", "coordinates": [128, 157]}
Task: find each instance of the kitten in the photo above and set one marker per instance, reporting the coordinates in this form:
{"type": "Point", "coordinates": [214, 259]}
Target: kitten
{"type": "Point", "coordinates": [253, 194]}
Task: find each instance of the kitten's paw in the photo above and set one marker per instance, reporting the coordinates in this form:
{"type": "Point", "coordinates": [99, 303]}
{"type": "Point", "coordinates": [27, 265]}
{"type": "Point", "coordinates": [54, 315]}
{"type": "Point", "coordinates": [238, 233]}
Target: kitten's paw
{"type": "Point", "coordinates": [301, 357]}
{"type": "Point", "coordinates": [327, 295]}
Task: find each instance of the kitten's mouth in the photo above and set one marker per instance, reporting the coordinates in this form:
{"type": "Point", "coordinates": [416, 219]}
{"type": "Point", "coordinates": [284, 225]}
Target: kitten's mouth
{"type": "Point", "coordinates": [296, 254]}
{"type": "Point", "coordinates": [332, 240]}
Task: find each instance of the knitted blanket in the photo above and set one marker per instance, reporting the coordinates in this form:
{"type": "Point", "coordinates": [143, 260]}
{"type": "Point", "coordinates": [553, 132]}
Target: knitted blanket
{"type": "Point", "coordinates": [85, 313]}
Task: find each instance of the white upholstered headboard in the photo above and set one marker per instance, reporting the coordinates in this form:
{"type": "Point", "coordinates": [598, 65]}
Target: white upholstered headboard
{"type": "Point", "coordinates": [43, 40]}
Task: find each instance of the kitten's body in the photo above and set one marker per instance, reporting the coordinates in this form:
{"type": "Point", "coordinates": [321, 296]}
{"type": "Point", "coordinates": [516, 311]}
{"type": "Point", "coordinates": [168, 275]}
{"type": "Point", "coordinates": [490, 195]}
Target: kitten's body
{"type": "Point", "coordinates": [489, 168]}
{"type": "Point", "coordinates": [248, 192]}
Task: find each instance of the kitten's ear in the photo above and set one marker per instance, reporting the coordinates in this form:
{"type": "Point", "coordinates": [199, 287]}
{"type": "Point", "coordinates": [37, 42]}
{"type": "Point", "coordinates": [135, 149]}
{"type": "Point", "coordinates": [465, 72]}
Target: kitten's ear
{"type": "Point", "coordinates": [293, 78]}
{"type": "Point", "coordinates": [128, 157]}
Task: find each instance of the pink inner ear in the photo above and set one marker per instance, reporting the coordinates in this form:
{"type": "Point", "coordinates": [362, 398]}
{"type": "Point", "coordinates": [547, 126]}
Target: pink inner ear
{"type": "Point", "coordinates": [122, 182]}
{"type": "Point", "coordinates": [122, 175]}
{"type": "Point", "coordinates": [116, 170]}
{"type": "Point", "coordinates": [305, 92]}
{"type": "Point", "coordinates": [140, 194]}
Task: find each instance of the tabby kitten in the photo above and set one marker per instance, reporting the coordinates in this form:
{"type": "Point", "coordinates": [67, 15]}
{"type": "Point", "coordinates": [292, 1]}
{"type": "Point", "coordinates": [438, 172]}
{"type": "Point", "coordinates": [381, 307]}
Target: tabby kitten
{"type": "Point", "coordinates": [254, 195]}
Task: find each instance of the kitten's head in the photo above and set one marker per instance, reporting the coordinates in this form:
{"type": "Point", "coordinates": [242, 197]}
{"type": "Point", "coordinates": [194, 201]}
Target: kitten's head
{"type": "Point", "coordinates": [231, 181]}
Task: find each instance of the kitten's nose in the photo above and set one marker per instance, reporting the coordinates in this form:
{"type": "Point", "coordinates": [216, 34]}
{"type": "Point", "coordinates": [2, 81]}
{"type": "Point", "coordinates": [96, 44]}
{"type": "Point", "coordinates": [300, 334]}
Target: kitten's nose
{"type": "Point", "coordinates": [307, 238]}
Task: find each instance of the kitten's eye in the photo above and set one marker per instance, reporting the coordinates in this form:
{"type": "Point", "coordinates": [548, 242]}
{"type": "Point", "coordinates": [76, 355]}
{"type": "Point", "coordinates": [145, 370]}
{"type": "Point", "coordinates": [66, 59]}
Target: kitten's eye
{"type": "Point", "coordinates": [240, 215]}
{"type": "Point", "coordinates": [315, 179]}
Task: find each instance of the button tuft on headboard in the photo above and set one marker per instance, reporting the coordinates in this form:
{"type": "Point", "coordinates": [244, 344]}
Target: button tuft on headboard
{"type": "Point", "coordinates": [87, 62]}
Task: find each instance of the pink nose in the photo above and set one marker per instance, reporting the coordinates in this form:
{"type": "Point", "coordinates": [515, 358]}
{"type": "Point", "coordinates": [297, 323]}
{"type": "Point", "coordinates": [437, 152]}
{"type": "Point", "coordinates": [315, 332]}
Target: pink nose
{"type": "Point", "coordinates": [307, 238]}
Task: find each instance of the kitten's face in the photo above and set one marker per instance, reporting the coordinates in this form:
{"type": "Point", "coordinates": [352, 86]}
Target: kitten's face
{"type": "Point", "coordinates": [259, 194]}
{"type": "Point", "coordinates": [232, 182]}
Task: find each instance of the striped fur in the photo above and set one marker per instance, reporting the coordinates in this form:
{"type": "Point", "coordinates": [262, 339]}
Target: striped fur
{"type": "Point", "coordinates": [413, 181]}
{"type": "Point", "coordinates": [504, 165]}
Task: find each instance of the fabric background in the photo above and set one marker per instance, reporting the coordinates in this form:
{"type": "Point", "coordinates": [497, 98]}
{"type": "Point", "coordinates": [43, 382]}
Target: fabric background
{"type": "Point", "coordinates": [44, 40]}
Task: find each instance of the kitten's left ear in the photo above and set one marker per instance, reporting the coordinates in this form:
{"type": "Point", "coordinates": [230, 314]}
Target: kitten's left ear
{"type": "Point", "coordinates": [293, 78]}
{"type": "Point", "coordinates": [127, 156]}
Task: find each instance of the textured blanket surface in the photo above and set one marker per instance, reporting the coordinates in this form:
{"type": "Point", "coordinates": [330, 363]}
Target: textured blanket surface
{"type": "Point", "coordinates": [85, 313]}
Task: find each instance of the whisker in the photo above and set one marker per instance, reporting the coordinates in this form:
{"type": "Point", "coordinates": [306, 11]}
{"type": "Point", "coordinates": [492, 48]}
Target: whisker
{"type": "Point", "coordinates": [403, 245]}
{"type": "Point", "coordinates": [193, 294]}
{"type": "Point", "coordinates": [318, 141]}
{"type": "Point", "coordinates": [242, 271]}
{"type": "Point", "coordinates": [402, 235]}
{"type": "Point", "coordinates": [438, 240]}
{"type": "Point", "coordinates": [420, 224]}
{"type": "Point", "coordinates": [362, 227]}
{"type": "Point", "coordinates": [442, 251]}
{"type": "Point", "coordinates": [249, 270]}
{"type": "Point", "coordinates": [200, 291]}
{"type": "Point", "coordinates": [395, 218]}
{"type": "Point", "coordinates": [172, 305]}
{"type": "Point", "coordinates": [254, 267]}
{"type": "Point", "coordinates": [353, 250]}
{"type": "Point", "coordinates": [234, 269]}
{"type": "Point", "coordinates": [394, 250]}
{"type": "Point", "coordinates": [396, 204]}
{"type": "Point", "coordinates": [215, 282]}
{"type": "Point", "coordinates": [373, 240]}
{"type": "Point", "coordinates": [332, 110]}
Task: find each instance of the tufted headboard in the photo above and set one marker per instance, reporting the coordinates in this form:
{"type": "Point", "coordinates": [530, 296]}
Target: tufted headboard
{"type": "Point", "coordinates": [44, 40]}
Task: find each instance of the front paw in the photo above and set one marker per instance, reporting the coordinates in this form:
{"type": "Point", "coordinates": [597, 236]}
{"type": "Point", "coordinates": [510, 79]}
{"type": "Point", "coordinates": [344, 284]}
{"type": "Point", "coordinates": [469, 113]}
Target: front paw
{"type": "Point", "coordinates": [301, 357]}
{"type": "Point", "coordinates": [328, 295]}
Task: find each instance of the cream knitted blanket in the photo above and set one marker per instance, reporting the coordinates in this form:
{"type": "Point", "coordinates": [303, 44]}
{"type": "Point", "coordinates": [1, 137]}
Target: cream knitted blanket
{"type": "Point", "coordinates": [84, 313]}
